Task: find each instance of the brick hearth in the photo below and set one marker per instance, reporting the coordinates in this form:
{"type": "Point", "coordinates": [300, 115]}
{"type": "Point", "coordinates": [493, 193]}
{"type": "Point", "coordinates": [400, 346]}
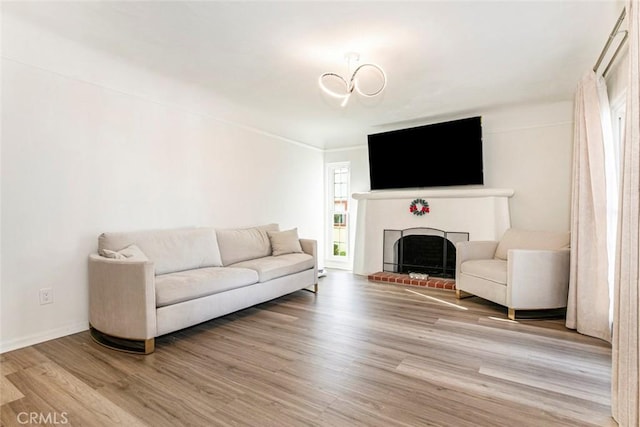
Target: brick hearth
{"type": "Point", "coordinates": [404, 279]}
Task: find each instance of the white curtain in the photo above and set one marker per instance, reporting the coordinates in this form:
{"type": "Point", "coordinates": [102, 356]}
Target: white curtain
{"type": "Point", "coordinates": [625, 347]}
{"type": "Point", "coordinates": [588, 302]}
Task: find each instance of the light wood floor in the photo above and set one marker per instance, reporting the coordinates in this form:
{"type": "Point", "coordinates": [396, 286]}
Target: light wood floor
{"type": "Point", "coordinates": [355, 354]}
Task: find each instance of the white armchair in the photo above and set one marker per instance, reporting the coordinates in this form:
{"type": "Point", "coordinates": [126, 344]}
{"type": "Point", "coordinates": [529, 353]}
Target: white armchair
{"type": "Point", "coordinates": [525, 270]}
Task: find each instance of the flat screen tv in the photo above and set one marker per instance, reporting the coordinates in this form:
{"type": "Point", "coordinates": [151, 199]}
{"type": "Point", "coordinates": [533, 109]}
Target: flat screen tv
{"type": "Point", "coordinates": [437, 155]}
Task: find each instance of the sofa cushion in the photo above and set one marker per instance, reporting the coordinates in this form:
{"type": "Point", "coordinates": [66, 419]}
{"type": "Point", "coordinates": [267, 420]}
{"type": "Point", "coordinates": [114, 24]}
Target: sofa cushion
{"type": "Point", "coordinates": [528, 239]}
{"type": "Point", "coordinates": [241, 244]}
{"type": "Point", "coordinates": [494, 270]}
{"type": "Point", "coordinates": [171, 250]}
{"type": "Point", "coordinates": [131, 252]}
{"type": "Point", "coordinates": [284, 242]}
{"type": "Point", "coordinates": [272, 267]}
{"type": "Point", "coordinates": [182, 286]}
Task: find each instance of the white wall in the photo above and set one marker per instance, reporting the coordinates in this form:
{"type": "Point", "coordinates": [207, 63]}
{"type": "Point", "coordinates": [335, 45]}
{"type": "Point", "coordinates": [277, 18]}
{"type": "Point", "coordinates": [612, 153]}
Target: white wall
{"type": "Point", "coordinates": [92, 144]}
{"type": "Point", "coordinates": [527, 148]}
{"type": "Point", "coordinates": [530, 149]}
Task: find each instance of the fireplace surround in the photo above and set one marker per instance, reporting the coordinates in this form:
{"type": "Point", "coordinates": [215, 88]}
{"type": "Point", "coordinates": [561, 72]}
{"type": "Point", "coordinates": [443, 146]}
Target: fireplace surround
{"type": "Point", "coordinates": [482, 212]}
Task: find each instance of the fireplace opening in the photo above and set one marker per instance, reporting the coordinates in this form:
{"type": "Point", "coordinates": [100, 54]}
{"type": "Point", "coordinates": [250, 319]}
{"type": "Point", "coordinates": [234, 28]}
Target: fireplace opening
{"type": "Point", "coordinates": [421, 250]}
{"type": "Point", "coordinates": [433, 255]}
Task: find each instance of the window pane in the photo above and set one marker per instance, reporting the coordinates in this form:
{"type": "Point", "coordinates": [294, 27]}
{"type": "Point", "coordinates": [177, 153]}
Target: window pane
{"type": "Point", "coordinates": [340, 206]}
{"type": "Point", "coordinates": [339, 185]}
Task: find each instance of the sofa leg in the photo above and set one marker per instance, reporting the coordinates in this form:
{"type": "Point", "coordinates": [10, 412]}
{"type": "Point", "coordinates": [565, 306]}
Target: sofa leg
{"type": "Point", "coordinates": [123, 344]}
{"type": "Point", "coordinates": [511, 313]}
{"type": "Point", "coordinates": [314, 290]}
{"type": "Point", "coordinates": [149, 345]}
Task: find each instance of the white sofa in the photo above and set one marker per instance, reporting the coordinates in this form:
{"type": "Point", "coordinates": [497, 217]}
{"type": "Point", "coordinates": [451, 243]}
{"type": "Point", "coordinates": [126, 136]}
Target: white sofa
{"type": "Point", "coordinates": [145, 284]}
{"type": "Point", "coordinates": [526, 270]}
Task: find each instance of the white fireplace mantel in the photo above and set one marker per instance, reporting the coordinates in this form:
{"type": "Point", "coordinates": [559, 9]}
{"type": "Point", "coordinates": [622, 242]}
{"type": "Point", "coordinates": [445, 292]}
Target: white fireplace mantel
{"type": "Point", "coordinates": [481, 212]}
{"type": "Point", "coordinates": [434, 193]}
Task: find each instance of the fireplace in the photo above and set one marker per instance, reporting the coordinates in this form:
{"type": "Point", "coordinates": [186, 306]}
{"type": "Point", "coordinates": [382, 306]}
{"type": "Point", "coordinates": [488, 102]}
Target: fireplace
{"type": "Point", "coordinates": [481, 212]}
{"type": "Point", "coordinates": [421, 250]}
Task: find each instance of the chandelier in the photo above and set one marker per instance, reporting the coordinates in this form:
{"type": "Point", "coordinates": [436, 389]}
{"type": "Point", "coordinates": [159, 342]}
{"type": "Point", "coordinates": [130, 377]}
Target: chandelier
{"type": "Point", "coordinates": [343, 88]}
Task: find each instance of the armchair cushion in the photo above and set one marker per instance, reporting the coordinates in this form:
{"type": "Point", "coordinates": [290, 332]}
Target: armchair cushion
{"type": "Point", "coordinates": [526, 239]}
{"type": "Point", "coordinates": [488, 269]}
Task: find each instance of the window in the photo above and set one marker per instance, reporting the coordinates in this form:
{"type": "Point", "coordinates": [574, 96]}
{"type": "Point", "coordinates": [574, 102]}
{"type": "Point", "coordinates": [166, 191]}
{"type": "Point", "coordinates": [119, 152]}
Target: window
{"type": "Point", "coordinates": [338, 185]}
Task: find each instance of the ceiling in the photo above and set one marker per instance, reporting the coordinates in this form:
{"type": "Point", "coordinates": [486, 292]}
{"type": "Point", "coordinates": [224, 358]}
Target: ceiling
{"type": "Point", "coordinates": [442, 58]}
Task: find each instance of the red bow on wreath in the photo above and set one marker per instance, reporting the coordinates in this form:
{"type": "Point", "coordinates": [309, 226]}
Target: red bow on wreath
{"type": "Point", "coordinates": [419, 207]}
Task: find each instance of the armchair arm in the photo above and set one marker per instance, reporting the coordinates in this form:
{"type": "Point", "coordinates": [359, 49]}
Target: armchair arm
{"type": "Point", "coordinates": [310, 246]}
{"type": "Point", "coordinates": [537, 279]}
{"type": "Point", "coordinates": [122, 298]}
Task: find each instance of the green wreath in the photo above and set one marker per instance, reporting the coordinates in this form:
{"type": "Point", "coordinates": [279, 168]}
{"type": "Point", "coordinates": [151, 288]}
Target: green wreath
{"type": "Point", "coordinates": [421, 210]}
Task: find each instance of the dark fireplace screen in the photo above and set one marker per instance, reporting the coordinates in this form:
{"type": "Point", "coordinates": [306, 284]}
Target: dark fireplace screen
{"type": "Point", "coordinates": [421, 250]}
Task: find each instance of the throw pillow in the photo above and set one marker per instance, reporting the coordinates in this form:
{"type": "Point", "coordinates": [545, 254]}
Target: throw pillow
{"type": "Point", "coordinates": [284, 242]}
{"type": "Point", "coordinates": [131, 252]}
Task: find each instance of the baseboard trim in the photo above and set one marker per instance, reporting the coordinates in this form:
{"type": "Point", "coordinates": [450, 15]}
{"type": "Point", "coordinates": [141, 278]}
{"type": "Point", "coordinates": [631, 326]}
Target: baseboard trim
{"type": "Point", "coordinates": [18, 343]}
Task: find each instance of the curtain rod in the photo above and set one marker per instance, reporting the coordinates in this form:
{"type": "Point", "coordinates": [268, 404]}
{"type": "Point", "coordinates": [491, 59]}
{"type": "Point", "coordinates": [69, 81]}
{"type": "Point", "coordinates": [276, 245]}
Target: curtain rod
{"type": "Point", "coordinates": [613, 34]}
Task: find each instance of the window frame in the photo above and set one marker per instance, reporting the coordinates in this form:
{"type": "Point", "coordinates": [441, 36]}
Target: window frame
{"type": "Point", "coordinates": [337, 260]}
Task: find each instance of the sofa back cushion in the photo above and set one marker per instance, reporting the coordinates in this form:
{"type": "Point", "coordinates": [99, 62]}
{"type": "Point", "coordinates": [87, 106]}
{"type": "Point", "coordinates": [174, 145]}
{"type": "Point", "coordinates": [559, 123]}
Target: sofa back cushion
{"type": "Point", "coordinates": [242, 244]}
{"type": "Point", "coordinates": [171, 250]}
{"type": "Point", "coordinates": [529, 239]}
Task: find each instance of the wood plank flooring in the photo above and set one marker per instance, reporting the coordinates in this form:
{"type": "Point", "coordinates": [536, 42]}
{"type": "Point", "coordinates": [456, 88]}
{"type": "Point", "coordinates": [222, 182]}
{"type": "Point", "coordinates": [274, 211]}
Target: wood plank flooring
{"type": "Point", "coordinates": [356, 354]}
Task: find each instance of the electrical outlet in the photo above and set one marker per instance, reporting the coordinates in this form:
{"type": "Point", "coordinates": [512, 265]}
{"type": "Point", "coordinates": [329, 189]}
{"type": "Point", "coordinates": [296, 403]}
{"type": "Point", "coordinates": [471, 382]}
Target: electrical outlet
{"type": "Point", "coordinates": [46, 296]}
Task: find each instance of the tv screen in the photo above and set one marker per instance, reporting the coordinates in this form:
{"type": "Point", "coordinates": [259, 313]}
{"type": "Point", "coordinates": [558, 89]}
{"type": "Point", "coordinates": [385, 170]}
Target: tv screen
{"type": "Point", "coordinates": [437, 155]}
